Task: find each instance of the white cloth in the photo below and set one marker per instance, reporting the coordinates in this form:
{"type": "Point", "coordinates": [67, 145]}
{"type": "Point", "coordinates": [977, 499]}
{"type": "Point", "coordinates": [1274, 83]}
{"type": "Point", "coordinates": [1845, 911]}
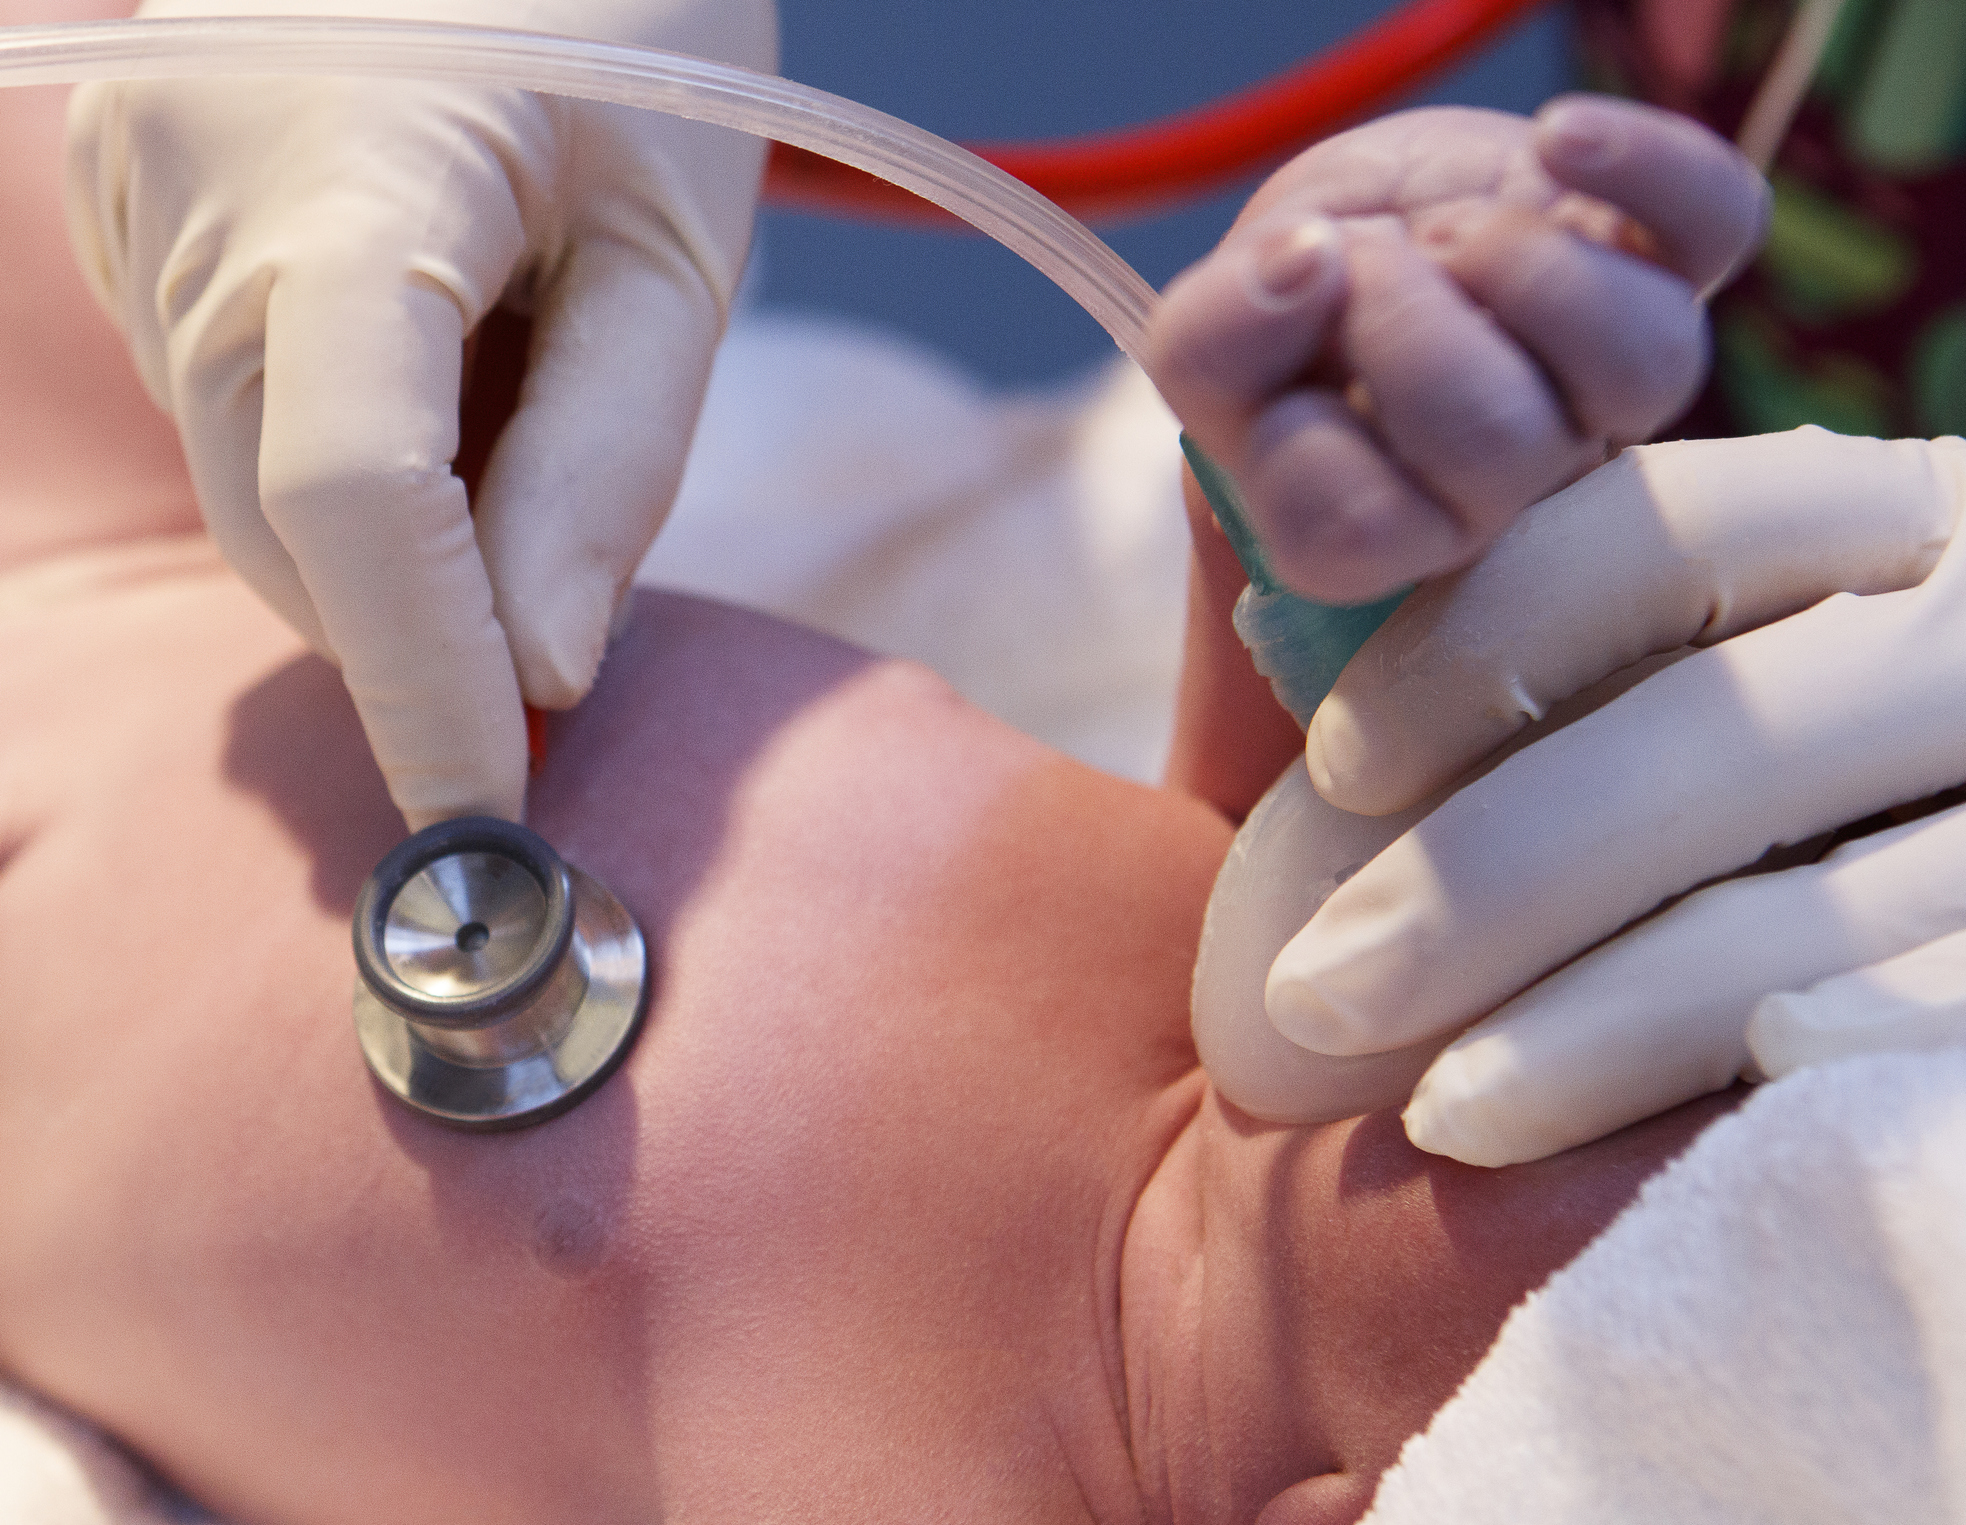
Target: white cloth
{"type": "Point", "coordinates": [1775, 1332]}
{"type": "Point", "coordinates": [1030, 547]}
{"type": "Point", "coordinates": [56, 1470]}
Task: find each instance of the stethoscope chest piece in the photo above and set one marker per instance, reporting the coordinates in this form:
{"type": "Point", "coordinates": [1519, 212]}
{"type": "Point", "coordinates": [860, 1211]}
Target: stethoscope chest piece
{"type": "Point", "coordinates": [497, 984]}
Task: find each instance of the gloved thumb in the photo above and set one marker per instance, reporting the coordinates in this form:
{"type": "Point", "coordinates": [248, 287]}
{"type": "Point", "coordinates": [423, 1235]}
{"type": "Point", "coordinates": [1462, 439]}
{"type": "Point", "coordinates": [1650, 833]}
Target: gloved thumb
{"type": "Point", "coordinates": [1914, 1001]}
{"type": "Point", "coordinates": [586, 470]}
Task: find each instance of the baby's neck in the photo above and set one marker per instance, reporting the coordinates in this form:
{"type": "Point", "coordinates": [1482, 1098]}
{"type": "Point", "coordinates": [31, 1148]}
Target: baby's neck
{"type": "Point", "coordinates": [1297, 1302]}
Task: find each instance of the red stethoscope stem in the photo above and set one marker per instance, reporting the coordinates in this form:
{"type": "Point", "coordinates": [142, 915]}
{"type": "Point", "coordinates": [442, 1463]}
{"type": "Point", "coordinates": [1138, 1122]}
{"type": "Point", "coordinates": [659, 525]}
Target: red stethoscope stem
{"type": "Point", "coordinates": [1142, 169]}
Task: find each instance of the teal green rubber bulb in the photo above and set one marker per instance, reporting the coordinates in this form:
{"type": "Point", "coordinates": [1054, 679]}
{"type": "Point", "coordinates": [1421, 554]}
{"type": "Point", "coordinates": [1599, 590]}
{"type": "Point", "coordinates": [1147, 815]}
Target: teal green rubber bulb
{"type": "Point", "coordinates": [1298, 644]}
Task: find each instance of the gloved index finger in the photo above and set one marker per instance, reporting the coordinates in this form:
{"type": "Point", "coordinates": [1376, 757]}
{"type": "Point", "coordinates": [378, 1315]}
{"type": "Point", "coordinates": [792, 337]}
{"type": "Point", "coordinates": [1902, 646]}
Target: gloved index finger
{"type": "Point", "coordinates": [1706, 206]}
{"type": "Point", "coordinates": [360, 426]}
{"type": "Point", "coordinates": [1669, 545]}
{"type": "Point", "coordinates": [1605, 1041]}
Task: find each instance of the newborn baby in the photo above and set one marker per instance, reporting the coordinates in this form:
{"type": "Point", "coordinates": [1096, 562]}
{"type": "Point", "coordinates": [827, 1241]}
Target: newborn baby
{"type": "Point", "coordinates": [911, 1203]}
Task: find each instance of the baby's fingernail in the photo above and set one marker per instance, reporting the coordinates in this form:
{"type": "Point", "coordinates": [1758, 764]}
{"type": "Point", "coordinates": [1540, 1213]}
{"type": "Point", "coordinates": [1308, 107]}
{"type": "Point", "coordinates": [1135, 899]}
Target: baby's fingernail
{"type": "Point", "coordinates": [1290, 262]}
{"type": "Point", "coordinates": [1581, 136]}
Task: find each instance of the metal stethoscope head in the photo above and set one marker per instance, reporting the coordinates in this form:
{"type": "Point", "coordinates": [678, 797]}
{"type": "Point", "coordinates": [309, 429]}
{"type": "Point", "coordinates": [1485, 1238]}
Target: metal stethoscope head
{"type": "Point", "coordinates": [498, 985]}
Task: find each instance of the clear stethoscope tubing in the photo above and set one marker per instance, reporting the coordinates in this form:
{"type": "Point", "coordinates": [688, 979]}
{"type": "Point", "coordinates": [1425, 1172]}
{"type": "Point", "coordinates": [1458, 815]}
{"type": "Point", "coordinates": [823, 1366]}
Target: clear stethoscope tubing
{"type": "Point", "coordinates": [987, 198]}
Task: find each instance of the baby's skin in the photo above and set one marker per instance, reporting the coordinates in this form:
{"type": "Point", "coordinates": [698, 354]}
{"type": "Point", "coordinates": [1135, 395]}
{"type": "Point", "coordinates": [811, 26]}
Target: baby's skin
{"type": "Point", "coordinates": [911, 1204]}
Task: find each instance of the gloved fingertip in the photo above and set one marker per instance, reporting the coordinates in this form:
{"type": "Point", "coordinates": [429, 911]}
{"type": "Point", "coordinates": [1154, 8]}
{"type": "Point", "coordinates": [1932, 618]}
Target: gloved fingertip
{"type": "Point", "coordinates": [444, 783]}
{"type": "Point", "coordinates": [559, 660]}
{"type": "Point", "coordinates": [1339, 759]}
{"type": "Point", "coordinates": [558, 638]}
{"type": "Point", "coordinates": [623, 616]}
{"type": "Point", "coordinates": [1777, 1034]}
{"type": "Point", "coordinates": [1430, 1128]}
{"type": "Point", "coordinates": [1309, 1016]}
{"type": "Point", "coordinates": [1329, 781]}
{"type": "Point", "coordinates": [549, 684]}
{"type": "Point", "coordinates": [1363, 770]}
{"type": "Point", "coordinates": [1440, 1129]}
{"type": "Point", "coordinates": [1459, 1110]}
{"type": "Point", "coordinates": [511, 808]}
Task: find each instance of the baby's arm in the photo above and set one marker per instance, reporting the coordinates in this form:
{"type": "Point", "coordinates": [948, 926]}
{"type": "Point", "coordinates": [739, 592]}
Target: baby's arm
{"type": "Point", "coordinates": [1231, 736]}
{"type": "Point", "coordinates": [1418, 328]}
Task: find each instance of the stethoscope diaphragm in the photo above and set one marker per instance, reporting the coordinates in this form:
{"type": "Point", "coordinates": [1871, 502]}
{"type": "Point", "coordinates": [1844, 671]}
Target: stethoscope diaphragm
{"type": "Point", "coordinates": [497, 984]}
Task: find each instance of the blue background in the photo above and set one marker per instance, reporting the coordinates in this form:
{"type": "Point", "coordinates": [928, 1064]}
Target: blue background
{"type": "Point", "coordinates": [1041, 68]}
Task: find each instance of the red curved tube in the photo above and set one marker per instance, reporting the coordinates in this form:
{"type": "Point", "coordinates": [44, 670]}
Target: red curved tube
{"type": "Point", "coordinates": [1140, 169]}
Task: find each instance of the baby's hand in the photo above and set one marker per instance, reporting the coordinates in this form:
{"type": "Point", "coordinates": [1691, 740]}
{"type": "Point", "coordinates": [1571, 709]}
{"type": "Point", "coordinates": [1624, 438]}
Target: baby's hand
{"type": "Point", "coordinates": [1420, 327]}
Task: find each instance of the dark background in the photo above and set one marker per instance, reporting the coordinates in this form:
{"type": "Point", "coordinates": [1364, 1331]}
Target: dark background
{"type": "Point", "coordinates": [1040, 68]}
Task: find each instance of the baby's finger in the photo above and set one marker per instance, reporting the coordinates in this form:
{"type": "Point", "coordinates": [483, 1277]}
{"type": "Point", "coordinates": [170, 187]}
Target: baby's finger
{"type": "Point", "coordinates": [1706, 206]}
{"type": "Point", "coordinates": [1340, 522]}
{"type": "Point", "coordinates": [1660, 1015]}
{"type": "Point", "coordinates": [1459, 404]}
{"type": "Point", "coordinates": [1245, 323]}
{"type": "Point", "coordinates": [1666, 546]}
{"type": "Point", "coordinates": [1914, 1001]}
{"type": "Point", "coordinates": [1624, 341]}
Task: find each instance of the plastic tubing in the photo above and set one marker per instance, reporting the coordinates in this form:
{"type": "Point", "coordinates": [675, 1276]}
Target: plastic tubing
{"type": "Point", "coordinates": [761, 104]}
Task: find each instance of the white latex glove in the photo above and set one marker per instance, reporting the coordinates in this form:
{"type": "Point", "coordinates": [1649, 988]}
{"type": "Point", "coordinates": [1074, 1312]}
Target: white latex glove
{"type": "Point", "coordinates": [1816, 708]}
{"type": "Point", "coordinates": [1418, 328]}
{"type": "Point", "coordinates": [297, 263]}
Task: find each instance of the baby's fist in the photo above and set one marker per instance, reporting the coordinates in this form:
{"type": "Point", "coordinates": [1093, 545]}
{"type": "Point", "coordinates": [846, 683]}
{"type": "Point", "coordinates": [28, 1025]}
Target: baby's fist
{"type": "Point", "coordinates": [1418, 328]}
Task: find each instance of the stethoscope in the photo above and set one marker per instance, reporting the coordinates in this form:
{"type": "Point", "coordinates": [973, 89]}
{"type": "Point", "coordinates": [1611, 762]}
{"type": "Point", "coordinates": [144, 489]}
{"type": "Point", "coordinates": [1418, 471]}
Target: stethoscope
{"type": "Point", "coordinates": [498, 985]}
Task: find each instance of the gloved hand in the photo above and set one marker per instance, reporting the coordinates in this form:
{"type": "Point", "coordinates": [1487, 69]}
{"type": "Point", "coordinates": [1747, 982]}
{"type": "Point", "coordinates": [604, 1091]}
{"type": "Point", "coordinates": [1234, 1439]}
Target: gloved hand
{"type": "Point", "coordinates": [297, 264]}
{"type": "Point", "coordinates": [1418, 328]}
{"type": "Point", "coordinates": [1834, 687]}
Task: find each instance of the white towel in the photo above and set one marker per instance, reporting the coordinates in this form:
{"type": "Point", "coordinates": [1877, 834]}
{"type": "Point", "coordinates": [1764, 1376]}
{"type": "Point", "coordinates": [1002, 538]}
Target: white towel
{"type": "Point", "coordinates": [55, 1470]}
{"type": "Point", "coordinates": [1774, 1332]}
{"type": "Point", "coordinates": [1030, 547]}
